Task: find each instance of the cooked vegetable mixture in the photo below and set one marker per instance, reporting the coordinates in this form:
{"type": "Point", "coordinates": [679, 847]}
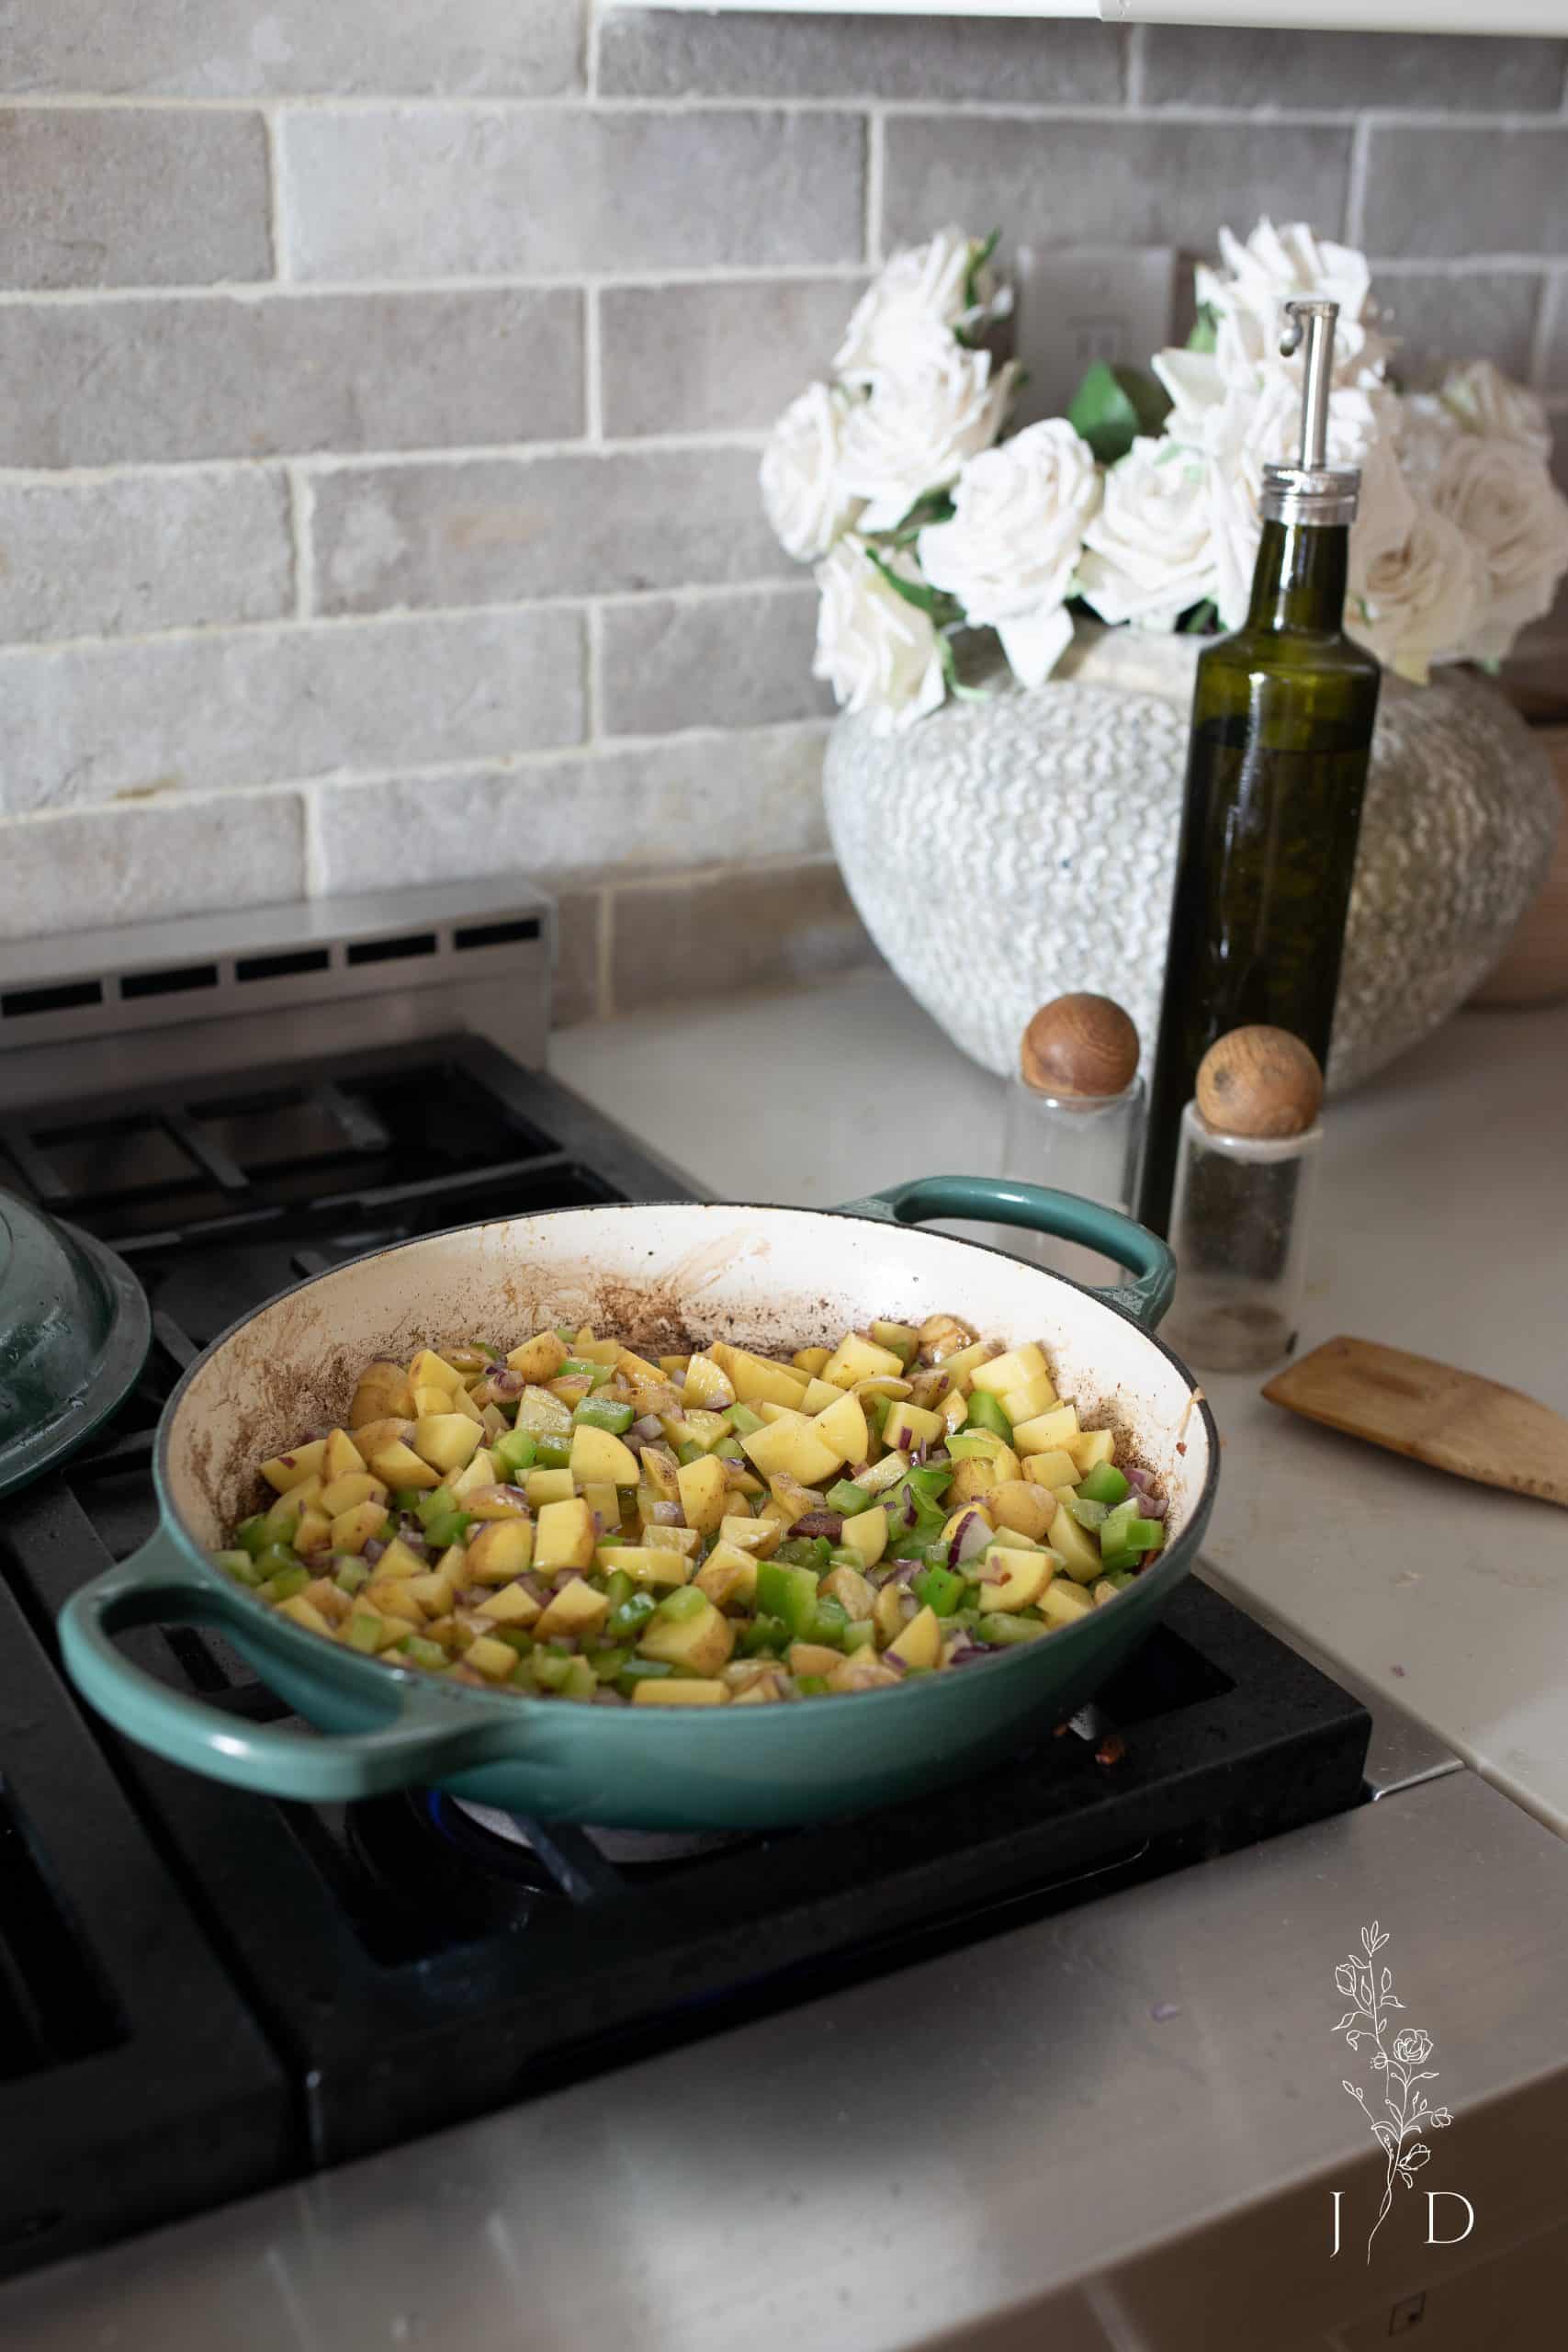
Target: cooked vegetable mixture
{"type": "Point", "coordinates": [575, 1522]}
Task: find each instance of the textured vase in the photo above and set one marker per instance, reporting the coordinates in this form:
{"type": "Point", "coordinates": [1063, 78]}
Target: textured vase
{"type": "Point", "coordinates": [1003, 851]}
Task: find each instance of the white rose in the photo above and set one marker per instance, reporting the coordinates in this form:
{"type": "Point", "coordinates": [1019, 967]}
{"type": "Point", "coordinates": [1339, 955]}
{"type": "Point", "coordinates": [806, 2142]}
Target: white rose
{"type": "Point", "coordinates": [1426, 428]}
{"type": "Point", "coordinates": [1503, 499]}
{"type": "Point", "coordinates": [878, 652]}
{"type": "Point", "coordinates": [916, 430]}
{"type": "Point", "coordinates": [1012, 548]}
{"type": "Point", "coordinates": [925, 288]}
{"type": "Point", "coordinates": [1486, 401]}
{"type": "Point", "coordinates": [800, 474]}
{"type": "Point", "coordinates": [1148, 554]}
{"type": "Point", "coordinates": [1279, 265]}
{"type": "Point", "coordinates": [1417, 598]}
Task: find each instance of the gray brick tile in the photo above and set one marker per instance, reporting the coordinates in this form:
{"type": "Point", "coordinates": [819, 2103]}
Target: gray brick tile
{"type": "Point", "coordinates": [131, 196]}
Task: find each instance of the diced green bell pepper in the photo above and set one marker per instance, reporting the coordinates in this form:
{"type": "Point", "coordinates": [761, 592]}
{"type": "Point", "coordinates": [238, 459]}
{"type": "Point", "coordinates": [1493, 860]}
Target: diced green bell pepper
{"type": "Point", "coordinates": [1086, 1511]}
{"type": "Point", "coordinates": [598, 1413]}
{"type": "Point", "coordinates": [769, 1634]}
{"type": "Point", "coordinates": [830, 1620]}
{"type": "Point", "coordinates": [353, 1576]}
{"type": "Point", "coordinates": [785, 1592]}
{"type": "Point", "coordinates": [420, 1653]}
{"type": "Point", "coordinates": [847, 1499]}
{"type": "Point", "coordinates": [609, 1663]}
{"type": "Point", "coordinates": [252, 1536]}
{"type": "Point", "coordinates": [363, 1632]}
{"type": "Point", "coordinates": [743, 1420]}
{"type": "Point", "coordinates": [1104, 1483]}
{"type": "Point", "coordinates": [1005, 1626]}
{"type": "Point", "coordinates": [238, 1565]}
{"type": "Point", "coordinates": [931, 1479]}
{"type": "Point", "coordinates": [876, 1411]}
{"type": "Point", "coordinates": [516, 1451]}
{"type": "Point", "coordinates": [939, 1589]}
{"type": "Point", "coordinates": [812, 1552]}
{"type": "Point", "coordinates": [641, 1670]}
{"type": "Point", "coordinates": [628, 1617]}
{"type": "Point", "coordinates": [577, 1368]}
{"type": "Point", "coordinates": [685, 1601]}
{"type": "Point", "coordinates": [986, 1413]}
{"type": "Point", "coordinates": [811, 1686]}
{"type": "Point", "coordinates": [860, 1633]}
{"type": "Point", "coordinates": [437, 1504]}
{"type": "Point", "coordinates": [618, 1587]}
{"type": "Point", "coordinates": [276, 1559]}
{"type": "Point", "coordinates": [975, 1445]}
{"type": "Point", "coordinates": [285, 1585]}
{"type": "Point", "coordinates": [449, 1527]}
{"type": "Point", "coordinates": [689, 1453]}
{"type": "Point", "coordinates": [730, 1448]}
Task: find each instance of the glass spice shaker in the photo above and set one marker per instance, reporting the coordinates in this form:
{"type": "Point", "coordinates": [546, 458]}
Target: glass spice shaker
{"type": "Point", "coordinates": [1075, 1120]}
{"type": "Point", "coordinates": [1247, 1165]}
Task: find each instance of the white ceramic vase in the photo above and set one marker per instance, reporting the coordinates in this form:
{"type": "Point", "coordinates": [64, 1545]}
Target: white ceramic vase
{"type": "Point", "coordinates": [1006, 850]}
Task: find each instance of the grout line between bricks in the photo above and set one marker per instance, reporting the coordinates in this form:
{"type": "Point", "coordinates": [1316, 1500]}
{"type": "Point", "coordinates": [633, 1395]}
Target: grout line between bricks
{"type": "Point", "coordinates": [1134, 93]}
{"type": "Point", "coordinates": [594, 672]}
{"type": "Point", "coordinates": [1549, 301]}
{"type": "Point", "coordinates": [875, 178]}
{"type": "Point", "coordinates": [301, 507]}
{"type": "Point", "coordinates": [606, 975]}
{"type": "Point", "coordinates": [1356, 182]}
{"type": "Point", "coordinates": [593, 367]}
{"type": "Point", "coordinates": [277, 231]}
{"type": "Point", "coordinates": [315, 845]}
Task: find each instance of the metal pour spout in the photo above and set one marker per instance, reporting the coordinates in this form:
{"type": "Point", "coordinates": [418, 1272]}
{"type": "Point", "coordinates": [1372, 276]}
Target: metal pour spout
{"type": "Point", "coordinates": [1315, 321]}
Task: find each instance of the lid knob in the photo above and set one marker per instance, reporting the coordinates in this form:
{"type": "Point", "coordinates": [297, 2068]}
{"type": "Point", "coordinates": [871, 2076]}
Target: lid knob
{"type": "Point", "coordinates": [1259, 1083]}
{"type": "Point", "coordinates": [1079, 1044]}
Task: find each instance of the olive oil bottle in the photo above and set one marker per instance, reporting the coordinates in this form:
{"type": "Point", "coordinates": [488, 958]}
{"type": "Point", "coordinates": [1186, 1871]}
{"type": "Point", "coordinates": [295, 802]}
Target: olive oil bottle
{"type": "Point", "coordinates": [1281, 733]}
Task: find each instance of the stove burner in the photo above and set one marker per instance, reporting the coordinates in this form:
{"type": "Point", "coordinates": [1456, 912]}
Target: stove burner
{"type": "Point", "coordinates": [627, 1849]}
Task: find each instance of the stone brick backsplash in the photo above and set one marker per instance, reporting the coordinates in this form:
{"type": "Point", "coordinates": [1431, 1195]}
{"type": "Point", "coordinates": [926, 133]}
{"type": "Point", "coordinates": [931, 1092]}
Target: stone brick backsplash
{"type": "Point", "coordinates": [381, 393]}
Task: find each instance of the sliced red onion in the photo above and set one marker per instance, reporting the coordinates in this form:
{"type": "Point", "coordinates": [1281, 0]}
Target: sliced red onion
{"type": "Point", "coordinates": [504, 1382]}
{"type": "Point", "coordinates": [897, 1664]}
{"type": "Point", "coordinates": [410, 1531]}
{"type": "Point", "coordinates": [372, 1552]}
{"type": "Point", "coordinates": [971, 1539]}
{"type": "Point", "coordinates": [648, 1430]}
{"type": "Point", "coordinates": [906, 1572]}
{"type": "Point", "coordinates": [539, 1585]}
{"type": "Point", "coordinates": [1153, 1506]}
{"type": "Point", "coordinates": [976, 1650]}
{"type": "Point", "coordinates": [819, 1522]}
{"type": "Point", "coordinates": [1136, 1477]}
{"type": "Point", "coordinates": [676, 1379]}
{"type": "Point", "coordinates": [667, 1514]}
{"type": "Point", "coordinates": [598, 1522]}
{"type": "Point", "coordinates": [911, 1514]}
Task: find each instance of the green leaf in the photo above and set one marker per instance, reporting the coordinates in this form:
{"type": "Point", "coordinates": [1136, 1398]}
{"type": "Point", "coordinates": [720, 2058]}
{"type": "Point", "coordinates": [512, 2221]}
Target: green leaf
{"type": "Point", "coordinates": [978, 257]}
{"type": "Point", "coordinates": [1200, 621]}
{"type": "Point", "coordinates": [954, 684]}
{"type": "Point", "coordinates": [940, 608]}
{"type": "Point", "coordinates": [935, 506]}
{"type": "Point", "coordinates": [1113, 406]}
{"type": "Point", "coordinates": [1204, 330]}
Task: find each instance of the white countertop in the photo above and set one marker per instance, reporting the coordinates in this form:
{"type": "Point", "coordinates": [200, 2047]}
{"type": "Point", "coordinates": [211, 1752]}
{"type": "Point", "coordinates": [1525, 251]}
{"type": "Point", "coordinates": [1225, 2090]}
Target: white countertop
{"type": "Point", "coordinates": [1441, 1226]}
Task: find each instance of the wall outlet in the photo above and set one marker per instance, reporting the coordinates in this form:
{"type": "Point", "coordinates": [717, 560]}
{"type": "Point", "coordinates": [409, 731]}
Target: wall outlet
{"type": "Point", "coordinates": [1074, 304]}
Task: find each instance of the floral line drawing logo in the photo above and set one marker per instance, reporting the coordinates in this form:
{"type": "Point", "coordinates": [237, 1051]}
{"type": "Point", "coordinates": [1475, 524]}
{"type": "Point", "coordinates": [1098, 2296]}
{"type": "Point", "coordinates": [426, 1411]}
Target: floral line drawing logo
{"type": "Point", "coordinates": [1402, 2065]}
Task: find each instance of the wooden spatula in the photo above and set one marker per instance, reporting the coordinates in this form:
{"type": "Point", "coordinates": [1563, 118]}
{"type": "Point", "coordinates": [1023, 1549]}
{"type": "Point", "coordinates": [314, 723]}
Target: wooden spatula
{"type": "Point", "coordinates": [1455, 1421]}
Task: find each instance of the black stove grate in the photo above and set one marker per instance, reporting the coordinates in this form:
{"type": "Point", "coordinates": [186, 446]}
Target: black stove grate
{"type": "Point", "coordinates": [203, 1991]}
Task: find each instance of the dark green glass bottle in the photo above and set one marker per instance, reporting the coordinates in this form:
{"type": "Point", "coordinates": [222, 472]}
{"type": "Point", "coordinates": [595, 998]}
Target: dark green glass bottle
{"type": "Point", "coordinates": [1281, 733]}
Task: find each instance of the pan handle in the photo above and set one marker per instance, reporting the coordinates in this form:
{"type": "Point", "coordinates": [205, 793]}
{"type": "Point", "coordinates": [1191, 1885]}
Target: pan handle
{"type": "Point", "coordinates": [416, 1739]}
{"type": "Point", "coordinates": [999, 1201]}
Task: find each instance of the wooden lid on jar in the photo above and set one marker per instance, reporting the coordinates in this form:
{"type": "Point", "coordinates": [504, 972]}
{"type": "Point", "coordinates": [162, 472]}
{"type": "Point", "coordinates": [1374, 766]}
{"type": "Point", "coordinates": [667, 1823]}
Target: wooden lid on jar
{"type": "Point", "coordinates": [1259, 1083]}
{"type": "Point", "coordinates": [1079, 1044]}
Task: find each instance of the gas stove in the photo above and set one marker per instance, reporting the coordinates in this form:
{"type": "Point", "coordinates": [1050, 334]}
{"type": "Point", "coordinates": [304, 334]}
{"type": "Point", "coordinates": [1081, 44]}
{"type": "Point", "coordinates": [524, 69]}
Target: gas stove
{"type": "Point", "coordinates": [203, 1993]}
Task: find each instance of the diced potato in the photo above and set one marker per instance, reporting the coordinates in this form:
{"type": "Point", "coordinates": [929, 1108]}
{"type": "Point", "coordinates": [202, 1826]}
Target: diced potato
{"type": "Point", "coordinates": [742, 1483]}
{"type": "Point", "coordinates": [1012, 1541]}
{"type": "Point", "coordinates": [540, 1358]}
{"type": "Point", "coordinates": [659, 1471]}
{"type": "Point", "coordinates": [447, 1441]}
{"type": "Point", "coordinates": [862, 1670]}
{"type": "Point", "coordinates": [1054, 1468]}
{"type": "Point", "coordinates": [701, 1642]}
{"type": "Point", "coordinates": [385, 1393]}
{"type": "Point", "coordinates": [791, 1497]}
{"type": "Point", "coordinates": [779, 1513]}
{"type": "Point", "coordinates": [323, 1594]}
{"type": "Point", "coordinates": [794, 1444]}
{"type": "Point", "coordinates": [686, 1691]}
{"type": "Point", "coordinates": [961, 1363]}
{"type": "Point", "coordinates": [761, 1537]}
{"type": "Point", "coordinates": [1026, 1403]}
{"type": "Point", "coordinates": [843, 1425]}
{"type": "Point", "coordinates": [501, 1549]}
{"type": "Point", "coordinates": [511, 1604]}
{"type": "Point", "coordinates": [702, 1489]}
{"type": "Point", "coordinates": [430, 1370]}
{"type": "Point", "coordinates": [981, 1474]}
{"type": "Point", "coordinates": [434, 1591]}
{"type": "Point", "coordinates": [300, 1612]}
{"type": "Point", "coordinates": [696, 1425]}
{"type": "Point", "coordinates": [605, 1502]}
{"type": "Point", "coordinates": [919, 1644]}
{"type": "Point", "coordinates": [1079, 1552]}
{"type": "Point", "coordinates": [1094, 1446]}
{"type": "Point", "coordinates": [1103, 1591]}
{"type": "Point", "coordinates": [288, 1470]}
{"type": "Point", "coordinates": [708, 1384]}
{"type": "Point", "coordinates": [431, 1399]}
{"type": "Point", "coordinates": [819, 1395]}
{"type": "Point", "coordinates": [884, 1474]}
{"type": "Point", "coordinates": [461, 1402]}
{"type": "Point", "coordinates": [314, 1532]}
{"type": "Point", "coordinates": [659, 1538]}
{"type": "Point", "coordinates": [397, 1464]}
{"type": "Point", "coordinates": [883, 1383]}
{"type": "Point", "coordinates": [366, 1628]}
{"type": "Point", "coordinates": [638, 1372]}
{"type": "Point", "coordinates": [867, 1533]}
{"type": "Point", "coordinates": [399, 1560]}
{"type": "Point", "coordinates": [342, 1459]}
{"type": "Point", "coordinates": [1014, 1369]}
{"type": "Point", "coordinates": [810, 1361]}
{"type": "Point", "coordinates": [391, 1597]}
{"type": "Point", "coordinates": [1046, 1431]}
{"type": "Point", "coordinates": [966, 1511]}
{"type": "Point", "coordinates": [813, 1658]}
{"type": "Point", "coordinates": [1016, 1580]}
{"type": "Point", "coordinates": [741, 1672]}
{"type": "Point", "coordinates": [942, 1335]}
{"type": "Point", "coordinates": [575, 1610]}
{"type": "Point", "coordinates": [901, 1338]}
{"type": "Point", "coordinates": [728, 1577]}
{"type": "Point", "coordinates": [353, 1486]}
{"type": "Point", "coordinates": [1061, 1603]}
{"type": "Point", "coordinates": [476, 1479]}
{"type": "Point", "coordinates": [851, 1590]}
{"type": "Point", "coordinates": [496, 1660]}
{"type": "Point", "coordinates": [543, 1413]}
{"type": "Point", "coordinates": [889, 1616]}
{"type": "Point", "coordinates": [595, 1350]}
{"type": "Point", "coordinates": [955, 1410]}
{"type": "Point", "coordinates": [374, 1434]}
{"type": "Point", "coordinates": [543, 1486]}
{"type": "Point", "coordinates": [564, 1537]}
{"type": "Point", "coordinates": [644, 1564]}
{"type": "Point", "coordinates": [909, 1426]}
{"type": "Point", "coordinates": [351, 1529]}
{"type": "Point", "coordinates": [856, 1359]}
{"type": "Point", "coordinates": [1019, 1502]}
{"type": "Point", "coordinates": [598, 1455]}
{"type": "Point", "coordinates": [755, 1380]}
{"type": "Point", "coordinates": [495, 1502]}
{"type": "Point", "coordinates": [285, 1513]}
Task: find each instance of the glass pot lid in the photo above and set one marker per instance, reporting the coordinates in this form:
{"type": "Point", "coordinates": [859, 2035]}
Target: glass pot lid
{"type": "Point", "coordinates": [73, 1333]}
